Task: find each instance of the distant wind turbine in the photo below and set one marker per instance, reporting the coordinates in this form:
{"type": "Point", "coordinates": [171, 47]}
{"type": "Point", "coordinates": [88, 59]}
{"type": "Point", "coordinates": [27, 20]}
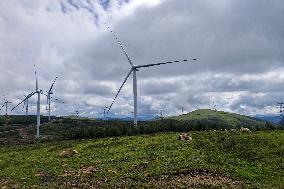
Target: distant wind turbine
{"type": "Point", "coordinates": [134, 68]}
{"type": "Point", "coordinates": [161, 113]}
{"type": "Point", "coordinates": [49, 92]}
{"type": "Point", "coordinates": [49, 97]}
{"type": "Point", "coordinates": [6, 102]}
{"type": "Point", "coordinates": [104, 111]}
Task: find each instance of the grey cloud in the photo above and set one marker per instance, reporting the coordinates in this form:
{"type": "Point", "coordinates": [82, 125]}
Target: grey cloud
{"type": "Point", "coordinates": [95, 87]}
{"type": "Point", "coordinates": [157, 87]}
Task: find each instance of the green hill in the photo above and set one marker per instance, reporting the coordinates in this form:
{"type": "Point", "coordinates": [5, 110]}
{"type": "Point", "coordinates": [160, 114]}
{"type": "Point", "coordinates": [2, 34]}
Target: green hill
{"type": "Point", "coordinates": [220, 119]}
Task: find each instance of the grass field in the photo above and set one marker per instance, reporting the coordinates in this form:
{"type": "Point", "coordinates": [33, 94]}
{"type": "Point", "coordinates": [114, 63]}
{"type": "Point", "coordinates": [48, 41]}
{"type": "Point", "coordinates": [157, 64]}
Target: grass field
{"type": "Point", "coordinates": [210, 160]}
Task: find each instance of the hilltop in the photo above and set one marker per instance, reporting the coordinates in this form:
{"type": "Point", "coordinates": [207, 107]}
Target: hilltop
{"type": "Point", "coordinates": [220, 119]}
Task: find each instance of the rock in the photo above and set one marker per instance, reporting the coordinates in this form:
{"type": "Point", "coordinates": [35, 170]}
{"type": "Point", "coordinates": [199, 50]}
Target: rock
{"type": "Point", "coordinates": [68, 153]}
{"type": "Point", "coordinates": [184, 137]}
{"type": "Point", "coordinates": [244, 129]}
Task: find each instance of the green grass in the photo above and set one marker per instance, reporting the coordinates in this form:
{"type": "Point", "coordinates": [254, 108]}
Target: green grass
{"type": "Point", "coordinates": [254, 159]}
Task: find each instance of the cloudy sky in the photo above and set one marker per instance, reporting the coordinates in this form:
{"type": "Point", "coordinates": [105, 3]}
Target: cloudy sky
{"type": "Point", "coordinates": [239, 46]}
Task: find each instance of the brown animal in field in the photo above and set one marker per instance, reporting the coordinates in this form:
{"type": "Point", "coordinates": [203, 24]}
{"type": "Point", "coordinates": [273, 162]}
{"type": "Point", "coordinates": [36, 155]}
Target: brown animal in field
{"type": "Point", "coordinates": [68, 153]}
{"type": "Point", "coordinates": [244, 129]}
{"type": "Point", "coordinates": [184, 137]}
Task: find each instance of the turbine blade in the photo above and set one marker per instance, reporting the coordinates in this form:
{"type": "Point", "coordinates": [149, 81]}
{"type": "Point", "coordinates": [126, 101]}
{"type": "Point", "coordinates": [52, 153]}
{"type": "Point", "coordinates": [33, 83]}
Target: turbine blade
{"type": "Point", "coordinates": [52, 85]}
{"type": "Point", "coordinates": [18, 104]}
{"type": "Point", "coordinates": [36, 78]}
{"type": "Point", "coordinates": [28, 96]}
{"type": "Point", "coordinates": [119, 90]}
{"type": "Point", "coordinates": [24, 103]}
{"type": "Point", "coordinates": [121, 46]}
{"type": "Point", "coordinates": [170, 62]}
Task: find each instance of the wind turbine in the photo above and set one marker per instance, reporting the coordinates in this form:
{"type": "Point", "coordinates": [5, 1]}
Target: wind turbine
{"type": "Point", "coordinates": [6, 102]}
{"type": "Point", "coordinates": [49, 93]}
{"type": "Point", "coordinates": [104, 110]}
{"type": "Point", "coordinates": [214, 106]}
{"type": "Point", "coordinates": [38, 92]}
{"type": "Point", "coordinates": [77, 113]}
{"type": "Point", "coordinates": [161, 114]}
{"type": "Point", "coordinates": [49, 97]}
{"type": "Point", "coordinates": [134, 68]}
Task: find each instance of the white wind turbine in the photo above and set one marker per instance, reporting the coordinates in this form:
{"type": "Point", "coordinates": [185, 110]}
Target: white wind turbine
{"type": "Point", "coordinates": [48, 96]}
{"type": "Point", "coordinates": [38, 92]}
{"type": "Point", "coordinates": [134, 68]}
{"type": "Point", "coordinates": [6, 102]}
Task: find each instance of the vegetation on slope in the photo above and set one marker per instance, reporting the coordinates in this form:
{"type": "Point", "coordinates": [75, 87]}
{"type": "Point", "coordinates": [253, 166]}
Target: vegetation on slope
{"type": "Point", "coordinates": [82, 128]}
{"type": "Point", "coordinates": [210, 160]}
{"type": "Point", "coordinates": [199, 120]}
{"type": "Point", "coordinates": [8, 120]}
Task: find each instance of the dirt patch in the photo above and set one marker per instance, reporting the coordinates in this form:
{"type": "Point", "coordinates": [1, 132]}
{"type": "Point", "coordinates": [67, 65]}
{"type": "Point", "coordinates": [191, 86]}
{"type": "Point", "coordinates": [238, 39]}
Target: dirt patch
{"type": "Point", "coordinates": [7, 183]}
{"type": "Point", "coordinates": [195, 180]}
{"type": "Point", "coordinates": [82, 178]}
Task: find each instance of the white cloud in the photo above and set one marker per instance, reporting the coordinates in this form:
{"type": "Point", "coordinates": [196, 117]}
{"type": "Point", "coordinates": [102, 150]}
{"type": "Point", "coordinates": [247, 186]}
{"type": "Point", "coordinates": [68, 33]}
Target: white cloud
{"type": "Point", "coordinates": [237, 43]}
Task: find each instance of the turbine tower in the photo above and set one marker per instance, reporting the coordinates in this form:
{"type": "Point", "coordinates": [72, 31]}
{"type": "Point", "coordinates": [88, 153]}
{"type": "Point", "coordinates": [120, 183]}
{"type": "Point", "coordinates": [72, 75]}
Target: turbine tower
{"type": "Point", "coordinates": [134, 68]}
{"type": "Point", "coordinates": [38, 107]}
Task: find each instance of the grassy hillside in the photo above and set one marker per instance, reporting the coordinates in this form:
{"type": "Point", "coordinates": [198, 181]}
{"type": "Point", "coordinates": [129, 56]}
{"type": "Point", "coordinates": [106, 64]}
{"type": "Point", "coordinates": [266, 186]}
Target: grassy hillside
{"type": "Point", "coordinates": [210, 160]}
{"type": "Point", "coordinates": [225, 119]}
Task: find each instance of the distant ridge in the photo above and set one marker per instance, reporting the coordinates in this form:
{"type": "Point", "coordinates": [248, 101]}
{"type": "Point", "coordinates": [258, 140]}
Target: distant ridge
{"type": "Point", "coordinates": [273, 119]}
